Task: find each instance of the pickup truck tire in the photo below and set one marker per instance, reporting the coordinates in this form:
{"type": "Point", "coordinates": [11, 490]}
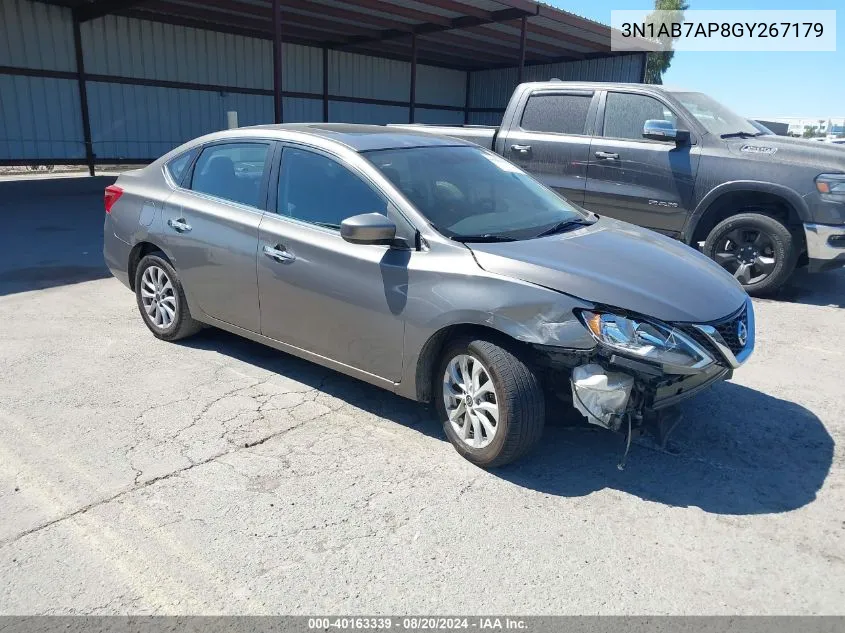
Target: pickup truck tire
{"type": "Point", "coordinates": [491, 403]}
{"type": "Point", "coordinates": [756, 249]}
{"type": "Point", "coordinates": [161, 300]}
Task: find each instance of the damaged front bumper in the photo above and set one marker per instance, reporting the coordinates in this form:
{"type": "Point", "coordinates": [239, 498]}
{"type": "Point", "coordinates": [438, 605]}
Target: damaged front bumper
{"type": "Point", "coordinates": [618, 391]}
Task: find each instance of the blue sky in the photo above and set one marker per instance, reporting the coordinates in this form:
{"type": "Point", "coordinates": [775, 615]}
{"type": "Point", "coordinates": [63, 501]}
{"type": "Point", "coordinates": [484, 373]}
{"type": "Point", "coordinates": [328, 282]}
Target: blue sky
{"type": "Point", "coordinates": [761, 85]}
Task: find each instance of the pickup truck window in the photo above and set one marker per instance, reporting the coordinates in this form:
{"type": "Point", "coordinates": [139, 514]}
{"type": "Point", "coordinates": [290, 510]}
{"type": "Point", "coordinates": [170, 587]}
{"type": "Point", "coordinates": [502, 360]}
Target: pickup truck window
{"type": "Point", "coordinates": [557, 113]}
{"type": "Point", "coordinates": [625, 114]}
{"type": "Point", "coordinates": [468, 193]}
{"type": "Point", "coordinates": [714, 116]}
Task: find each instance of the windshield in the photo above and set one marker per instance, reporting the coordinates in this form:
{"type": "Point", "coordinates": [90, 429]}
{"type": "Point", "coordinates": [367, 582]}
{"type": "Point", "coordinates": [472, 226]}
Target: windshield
{"type": "Point", "coordinates": [468, 193]}
{"type": "Point", "coordinates": [714, 116]}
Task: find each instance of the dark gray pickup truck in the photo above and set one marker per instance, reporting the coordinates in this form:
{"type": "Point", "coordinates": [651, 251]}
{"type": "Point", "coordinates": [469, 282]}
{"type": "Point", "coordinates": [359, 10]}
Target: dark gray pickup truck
{"type": "Point", "coordinates": [682, 164]}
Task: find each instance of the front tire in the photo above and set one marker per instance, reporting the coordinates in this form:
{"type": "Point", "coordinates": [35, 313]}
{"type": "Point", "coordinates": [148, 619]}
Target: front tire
{"type": "Point", "coordinates": [161, 300]}
{"type": "Point", "coordinates": [490, 402]}
{"type": "Point", "coordinates": [756, 249]}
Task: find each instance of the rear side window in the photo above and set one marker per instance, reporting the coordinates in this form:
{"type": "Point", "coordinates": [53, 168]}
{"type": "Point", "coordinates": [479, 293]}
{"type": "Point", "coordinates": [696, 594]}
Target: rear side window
{"type": "Point", "coordinates": [626, 114]}
{"type": "Point", "coordinates": [561, 114]}
{"type": "Point", "coordinates": [176, 167]}
{"type": "Point", "coordinates": [316, 189]}
{"type": "Point", "coordinates": [232, 171]}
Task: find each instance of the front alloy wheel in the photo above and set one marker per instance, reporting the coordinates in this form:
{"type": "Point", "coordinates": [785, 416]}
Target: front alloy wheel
{"type": "Point", "coordinates": [490, 401]}
{"type": "Point", "coordinates": [470, 400]}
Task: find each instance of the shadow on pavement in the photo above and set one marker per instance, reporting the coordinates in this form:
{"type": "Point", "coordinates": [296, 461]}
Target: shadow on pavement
{"type": "Point", "coordinates": [52, 232]}
{"type": "Point", "coordinates": [741, 451]}
{"type": "Point", "coordinates": [820, 289]}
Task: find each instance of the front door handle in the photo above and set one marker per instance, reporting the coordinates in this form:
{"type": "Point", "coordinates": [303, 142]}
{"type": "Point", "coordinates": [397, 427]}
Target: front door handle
{"type": "Point", "coordinates": [521, 149]}
{"type": "Point", "coordinates": [279, 253]}
{"type": "Point", "coordinates": [179, 225]}
{"type": "Point", "coordinates": [607, 155]}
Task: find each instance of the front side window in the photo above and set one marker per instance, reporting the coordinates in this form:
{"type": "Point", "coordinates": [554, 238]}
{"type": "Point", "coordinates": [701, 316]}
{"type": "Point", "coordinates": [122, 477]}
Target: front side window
{"type": "Point", "coordinates": [560, 114]}
{"type": "Point", "coordinates": [232, 171]}
{"type": "Point", "coordinates": [625, 114]}
{"type": "Point", "coordinates": [316, 189]}
{"type": "Point", "coordinates": [467, 193]}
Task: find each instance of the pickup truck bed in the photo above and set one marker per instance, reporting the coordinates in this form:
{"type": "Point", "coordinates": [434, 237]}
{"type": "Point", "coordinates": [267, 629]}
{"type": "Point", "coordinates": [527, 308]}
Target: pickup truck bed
{"type": "Point", "coordinates": [483, 135]}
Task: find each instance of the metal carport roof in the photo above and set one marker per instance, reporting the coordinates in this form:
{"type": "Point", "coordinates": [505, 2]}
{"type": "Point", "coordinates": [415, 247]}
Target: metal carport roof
{"type": "Point", "coordinates": [462, 34]}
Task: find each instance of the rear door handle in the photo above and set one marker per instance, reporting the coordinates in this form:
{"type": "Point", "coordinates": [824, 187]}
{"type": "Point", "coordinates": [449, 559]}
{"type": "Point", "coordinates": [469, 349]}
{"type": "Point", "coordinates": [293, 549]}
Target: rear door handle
{"type": "Point", "coordinates": [179, 225]}
{"type": "Point", "coordinates": [522, 149]}
{"type": "Point", "coordinates": [279, 253]}
{"type": "Point", "coordinates": [607, 155]}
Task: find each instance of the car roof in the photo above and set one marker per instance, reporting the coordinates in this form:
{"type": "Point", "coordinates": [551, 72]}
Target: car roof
{"type": "Point", "coordinates": [360, 138]}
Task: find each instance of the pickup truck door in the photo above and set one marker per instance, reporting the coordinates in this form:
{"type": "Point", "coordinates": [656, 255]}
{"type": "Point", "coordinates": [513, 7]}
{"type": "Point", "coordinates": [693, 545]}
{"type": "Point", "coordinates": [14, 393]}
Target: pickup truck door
{"type": "Point", "coordinates": [318, 292]}
{"type": "Point", "coordinates": [551, 138]}
{"type": "Point", "coordinates": [645, 182]}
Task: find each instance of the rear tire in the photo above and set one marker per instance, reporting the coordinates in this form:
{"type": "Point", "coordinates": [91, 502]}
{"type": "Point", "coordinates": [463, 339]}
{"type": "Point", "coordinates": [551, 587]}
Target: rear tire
{"type": "Point", "coordinates": [758, 250]}
{"type": "Point", "coordinates": [161, 299]}
{"type": "Point", "coordinates": [495, 402]}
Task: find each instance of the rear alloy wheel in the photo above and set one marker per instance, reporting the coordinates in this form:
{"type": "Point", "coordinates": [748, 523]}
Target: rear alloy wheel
{"type": "Point", "coordinates": [756, 249]}
{"type": "Point", "coordinates": [161, 299]}
{"type": "Point", "coordinates": [490, 402]}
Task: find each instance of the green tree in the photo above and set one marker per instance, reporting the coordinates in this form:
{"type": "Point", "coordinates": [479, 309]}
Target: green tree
{"type": "Point", "coordinates": [658, 63]}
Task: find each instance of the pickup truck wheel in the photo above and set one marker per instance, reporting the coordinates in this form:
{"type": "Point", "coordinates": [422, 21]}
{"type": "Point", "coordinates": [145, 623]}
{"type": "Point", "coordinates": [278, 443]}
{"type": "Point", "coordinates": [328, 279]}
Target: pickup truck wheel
{"type": "Point", "coordinates": [756, 249]}
{"type": "Point", "coordinates": [490, 402]}
{"type": "Point", "coordinates": [161, 300]}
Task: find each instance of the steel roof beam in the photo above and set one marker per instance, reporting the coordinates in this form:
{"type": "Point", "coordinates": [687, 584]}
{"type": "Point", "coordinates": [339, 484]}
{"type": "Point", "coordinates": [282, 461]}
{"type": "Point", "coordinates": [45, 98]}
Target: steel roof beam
{"type": "Point", "coordinates": [99, 8]}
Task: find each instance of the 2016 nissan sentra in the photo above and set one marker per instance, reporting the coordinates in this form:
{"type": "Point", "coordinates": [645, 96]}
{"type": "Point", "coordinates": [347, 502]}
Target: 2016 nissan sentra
{"type": "Point", "coordinates": [432, 268]}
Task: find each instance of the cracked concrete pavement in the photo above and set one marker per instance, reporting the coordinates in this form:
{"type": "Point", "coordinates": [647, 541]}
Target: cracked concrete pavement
{"type": "Point", "coordinates": [219, 476]}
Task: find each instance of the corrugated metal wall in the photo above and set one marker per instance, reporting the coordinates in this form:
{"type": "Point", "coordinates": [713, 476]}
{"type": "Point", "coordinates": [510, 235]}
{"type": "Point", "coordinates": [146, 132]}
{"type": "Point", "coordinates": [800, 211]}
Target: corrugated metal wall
{"type": "Point", "coordinates": [127, 47]}
{"type": "Point", "coordinates": [35, 35]}
{"type": "Point", "coordinates": [146, 121]}
{"type": "Point", "coordinates": [213, 73]}
{"type": "Point", "coordinates": [493, 88]}
{"type": "Point", "coordinates": [39, 116]}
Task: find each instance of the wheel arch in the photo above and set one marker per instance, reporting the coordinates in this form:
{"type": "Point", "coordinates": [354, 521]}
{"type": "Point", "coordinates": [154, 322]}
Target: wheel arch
{"type": "Point", "coordinates": [138, 252]}
{"type": "Point", "coordinates": [736, 197]}
{"type": "Point", "coordinates": [432, 350]}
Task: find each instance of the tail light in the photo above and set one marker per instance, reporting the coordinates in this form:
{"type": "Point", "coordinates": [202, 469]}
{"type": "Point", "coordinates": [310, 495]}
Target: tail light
{"type": "Point", "coordinates": [112, 194]}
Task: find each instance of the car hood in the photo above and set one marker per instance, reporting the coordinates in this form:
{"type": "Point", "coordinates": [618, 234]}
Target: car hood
{"type": "Point", "coordinates": [785, 149]}
{"type": "Point", "coordinates": [620, 265]}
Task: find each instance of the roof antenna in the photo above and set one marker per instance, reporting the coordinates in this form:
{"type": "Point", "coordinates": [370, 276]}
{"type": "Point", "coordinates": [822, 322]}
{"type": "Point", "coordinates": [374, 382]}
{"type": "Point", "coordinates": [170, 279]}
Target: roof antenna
{"type": "Point", "coordinates": [555, 79]}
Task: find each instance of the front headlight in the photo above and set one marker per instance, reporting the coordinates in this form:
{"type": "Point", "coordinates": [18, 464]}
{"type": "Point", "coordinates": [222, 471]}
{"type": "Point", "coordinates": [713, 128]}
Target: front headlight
{"type": "Point", "coordinates": [646, 339]}
{"type": "Point", "coordinates": [831, 183]}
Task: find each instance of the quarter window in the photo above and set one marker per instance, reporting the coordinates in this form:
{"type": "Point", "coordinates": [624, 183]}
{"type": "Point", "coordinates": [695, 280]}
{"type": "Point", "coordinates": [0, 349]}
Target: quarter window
{"type": "Point", "coordinates": [626, 114]}
{"type": "Point", "coordinates": [176, 167]}
{"type": "Point", "coordinates": [561, 114]}
{"type": "Point", "coordinates": [316, 189]}
{"type": "Point", "coordinates": [231, 171]}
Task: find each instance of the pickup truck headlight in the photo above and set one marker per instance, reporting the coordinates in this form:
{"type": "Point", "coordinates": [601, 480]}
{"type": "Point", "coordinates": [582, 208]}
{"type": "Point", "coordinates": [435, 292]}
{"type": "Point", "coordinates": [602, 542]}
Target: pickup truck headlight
{"type": "Point", "coordinates": [831, 183]}
{"type": "Point", "coordinates": [645, 339]}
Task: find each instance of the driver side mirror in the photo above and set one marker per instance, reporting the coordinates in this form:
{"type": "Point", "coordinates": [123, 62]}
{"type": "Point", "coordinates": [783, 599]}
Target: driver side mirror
{"type": "Point", "coordinates": [368, 228]}
{"type": "Point", "coordinates": [660, 130]}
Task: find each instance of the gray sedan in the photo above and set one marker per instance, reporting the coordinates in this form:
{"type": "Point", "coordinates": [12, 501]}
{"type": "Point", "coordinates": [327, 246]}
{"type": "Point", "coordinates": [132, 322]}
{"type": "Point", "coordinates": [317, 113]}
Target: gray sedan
{"type": "Point", "coordinates": [429, 267]}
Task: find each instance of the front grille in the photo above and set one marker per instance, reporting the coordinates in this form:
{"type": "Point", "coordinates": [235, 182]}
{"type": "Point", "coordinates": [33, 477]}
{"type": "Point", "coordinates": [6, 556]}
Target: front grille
{"type": "Point", "coordinates": [704, 341]}
{"type": "Point", "coordinates": [729, 330]}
